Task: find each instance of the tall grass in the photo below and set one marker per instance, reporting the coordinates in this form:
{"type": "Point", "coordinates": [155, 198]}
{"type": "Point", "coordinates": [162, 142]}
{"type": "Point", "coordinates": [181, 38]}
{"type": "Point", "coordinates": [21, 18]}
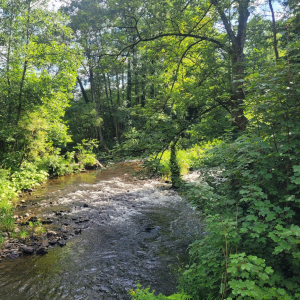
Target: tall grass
{"type": "Point", "coordinates": [186, 158]}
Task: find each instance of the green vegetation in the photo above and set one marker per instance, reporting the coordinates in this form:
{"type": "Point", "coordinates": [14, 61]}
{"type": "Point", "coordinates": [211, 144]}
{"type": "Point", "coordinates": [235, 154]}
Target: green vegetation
{"type": "Point", "coordinates": [187, 159]}
{"type": "Point", "coordinates": [23, 234]}
{"type": "Point", "coordinates": [145, 294]}
{"type": "Point", "coordinates": [36, 227]}
{"type": "Point", "coordinates": [248, 193]}
{"type": "Point", "coordinates": [33, 173]}
{"type": "Point", "coordinates": [211, 85]}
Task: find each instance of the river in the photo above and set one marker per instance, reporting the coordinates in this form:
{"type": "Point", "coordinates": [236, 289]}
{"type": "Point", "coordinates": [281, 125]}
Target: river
{"type": "Point", "coordinates": [132, 230]}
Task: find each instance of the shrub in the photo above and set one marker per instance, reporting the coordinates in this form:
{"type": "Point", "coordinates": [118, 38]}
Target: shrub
{"type": "Point", "coordinates": [85, 150]}
{"type": "Point", "coordinates": [250, 200]}
{"type": "Point", "coordinates": [56, 164]}
{"type": "Point", "coordinates": [145, 294]}
{"type": "Point", "coordinates": [23, 234]}
{"type": "Point", "coordinates": [7, 222]}
{"type": "Point", "coordinates": [28, 176]}
{"type": "Point", "coordinates": [186, 159]}
{"type": "Point", "coordinates": [7, 192]}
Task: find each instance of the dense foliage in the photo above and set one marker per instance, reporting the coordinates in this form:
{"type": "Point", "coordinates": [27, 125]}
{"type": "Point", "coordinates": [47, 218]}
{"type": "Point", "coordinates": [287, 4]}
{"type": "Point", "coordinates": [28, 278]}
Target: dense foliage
{"type": "Point", "coordinates": [211, 85]}
{"type": "Point", "coordinates": [39, 62]}
{"type": "Point", "coordinates": [250, 194]}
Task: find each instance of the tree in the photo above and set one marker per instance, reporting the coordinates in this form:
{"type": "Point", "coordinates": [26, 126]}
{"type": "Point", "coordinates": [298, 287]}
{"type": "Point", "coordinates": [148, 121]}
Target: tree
{"type": "Point", "coordinates": [38, 71]}
{"type": "Point", "coordinates": [151, 21]}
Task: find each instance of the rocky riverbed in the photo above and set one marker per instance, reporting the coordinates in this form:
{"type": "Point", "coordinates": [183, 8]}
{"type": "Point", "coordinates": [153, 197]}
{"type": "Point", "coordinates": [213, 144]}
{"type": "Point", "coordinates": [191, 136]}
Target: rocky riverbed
{"type": "Point", "coordinates": [105, 231]}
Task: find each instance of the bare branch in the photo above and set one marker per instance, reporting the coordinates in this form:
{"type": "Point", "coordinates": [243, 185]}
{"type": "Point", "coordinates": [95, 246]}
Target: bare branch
{"type": "Point", "coordinates": [226, 23]}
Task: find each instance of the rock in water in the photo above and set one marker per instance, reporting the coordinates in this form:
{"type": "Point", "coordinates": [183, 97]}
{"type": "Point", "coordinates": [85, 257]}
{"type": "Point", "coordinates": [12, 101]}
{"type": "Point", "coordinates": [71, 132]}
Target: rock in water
{"type": "Point", "coordinates": [77, 230]}
{"type": "Point", "coordinates": [51, 233]}
{"type": "Point", "coordinates": [53, 241]}
{"type": "Point", "coordinates": [61, 243]}
{"type": "Point", "coordinates": [27, 250]}
{"type": "Point", "coordinates": [42, 250]}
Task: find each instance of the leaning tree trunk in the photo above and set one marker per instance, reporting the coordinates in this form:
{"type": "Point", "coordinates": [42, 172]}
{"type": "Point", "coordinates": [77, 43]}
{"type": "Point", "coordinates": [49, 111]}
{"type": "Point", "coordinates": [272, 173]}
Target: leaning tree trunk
{"type": "Point", "coordinates": [275, 42]}
{"type": "Point", "coordinates": [83, 92]}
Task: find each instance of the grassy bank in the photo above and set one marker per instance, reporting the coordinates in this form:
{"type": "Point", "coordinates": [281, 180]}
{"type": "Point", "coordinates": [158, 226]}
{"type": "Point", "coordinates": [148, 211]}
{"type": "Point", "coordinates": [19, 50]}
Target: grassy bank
{"type": "Point", "coordinates": [30, 174]}
{"type": "Point", "coordinates": [187, 159]}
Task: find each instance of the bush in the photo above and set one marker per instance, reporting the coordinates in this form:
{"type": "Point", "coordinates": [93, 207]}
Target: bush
{"type": "Point", "coordinates": [57, 164]}
{"type": "Point", "coordinates": [7, 192]}
{"type": "Point", "coordinates": [186, 159]}
{"type": "Point", "coordinates": [250, 197]}
{"type": "Point", "coordinates": [85, 155]}
{"type": "Point", "coordinates": [32, 173]}
{"type": "Point", "coordinates": [252, 249]}
{"type": "Point", "coordinates": [28, 176]}
{"type": "Point", "coordinates": [7, 222]}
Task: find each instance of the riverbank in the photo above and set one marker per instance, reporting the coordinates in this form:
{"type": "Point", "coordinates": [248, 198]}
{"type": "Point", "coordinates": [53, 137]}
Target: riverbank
{"type": "Point", "coordinates": [19, 176]}
{"type": "Point", "coordinates": [25, 232]}
{"type": "Point", "coordinates": [21, 182]}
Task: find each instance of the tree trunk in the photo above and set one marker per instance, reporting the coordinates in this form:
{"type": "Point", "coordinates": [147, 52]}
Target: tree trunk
{"type": "Point", "coordinates": [238, 95]}
{"type": "Point", "coordinates": [84, 95]}
{"type": "Point", "coordinates": [136, 81]}
{"type": "Point", "coordinates": [152, 87]}
{"type": "Point", "coordinates": [143, 87]}
{"type": "Point", "coordinates": [118, 103]}
{"type": "Point", "coordinates": [123, 87]}
{"type": "Point", "coordinates": [175, 169]}
{"type": "Point", "coordinates": [108, 99]}
{"type": "Point", "coordinates": [118, 89]}
{"type": "Point", "coordinates": [110, 92]}
{"type": "Point", "coordinates": [10, 102]}
{"type": "Point", "coordinates": [99, 129]}
{"type": "Point", "coordinates": [274, 30]}
{"type": "Point", "coordinates": [129, 83]}
{"type": "Point", "coordinates": [102, 140]}
{"type": "Point", "coordinates": [237, 57]}
{"type": "Point", "coordinates": [25, 66]}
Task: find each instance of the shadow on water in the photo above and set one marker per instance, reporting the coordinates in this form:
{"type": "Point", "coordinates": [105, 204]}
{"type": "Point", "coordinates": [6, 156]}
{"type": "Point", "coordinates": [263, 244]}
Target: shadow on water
{"type": "Point", "coordinates": [138, 231]}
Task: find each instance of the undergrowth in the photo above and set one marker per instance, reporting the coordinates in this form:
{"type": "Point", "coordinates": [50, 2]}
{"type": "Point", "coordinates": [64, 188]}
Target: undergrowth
{"type": "Point", "coordinates": [250, 203]}
{"type": "Point", "coordinates": [33, 172]}
{"type": "Point", "coordinates": [186, 159]}
{"type": "Point", "coordinates": [145, 294]}
{"type": "Point", "coordinates": [251, 251]}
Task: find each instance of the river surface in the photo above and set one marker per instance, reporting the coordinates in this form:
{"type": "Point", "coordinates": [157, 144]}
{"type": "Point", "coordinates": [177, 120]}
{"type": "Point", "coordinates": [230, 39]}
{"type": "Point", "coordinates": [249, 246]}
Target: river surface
{"type": "Point", "coordinates": [133, 231]}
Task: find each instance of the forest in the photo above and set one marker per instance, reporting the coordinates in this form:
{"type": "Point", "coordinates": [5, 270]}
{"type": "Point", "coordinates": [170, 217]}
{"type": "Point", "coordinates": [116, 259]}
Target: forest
{"type": "Point", "coordinates": [182, 85]}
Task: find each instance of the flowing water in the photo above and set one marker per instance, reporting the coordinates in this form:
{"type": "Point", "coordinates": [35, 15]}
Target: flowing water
{"type": "Point", "coordinates": [132, 231]}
